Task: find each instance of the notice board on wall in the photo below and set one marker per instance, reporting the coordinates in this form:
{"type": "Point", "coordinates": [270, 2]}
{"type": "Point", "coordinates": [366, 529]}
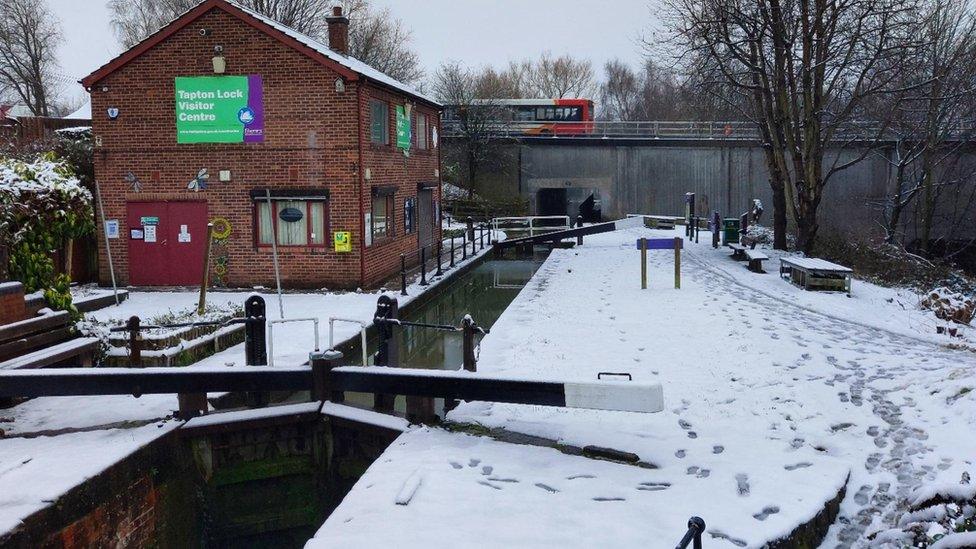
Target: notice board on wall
{"type": "Point", "coordinates": [219, 109]}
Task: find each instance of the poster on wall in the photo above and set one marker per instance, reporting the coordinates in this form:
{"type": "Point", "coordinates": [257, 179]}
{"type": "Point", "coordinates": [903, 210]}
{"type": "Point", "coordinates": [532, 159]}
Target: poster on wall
{"type": "Point", "coordinates": [402, 127]}
{"type": "Point", "coordinates": [219, 109]}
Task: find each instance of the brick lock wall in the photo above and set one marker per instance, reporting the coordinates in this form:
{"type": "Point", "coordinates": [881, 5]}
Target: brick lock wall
{"type": "Point", "coordinates": [311, 141]}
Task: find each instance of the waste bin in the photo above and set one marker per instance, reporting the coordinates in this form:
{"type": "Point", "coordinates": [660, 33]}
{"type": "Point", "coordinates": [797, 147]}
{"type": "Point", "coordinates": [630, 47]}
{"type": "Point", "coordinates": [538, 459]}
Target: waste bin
{"type": "Point", "coordinates": [730, 228]}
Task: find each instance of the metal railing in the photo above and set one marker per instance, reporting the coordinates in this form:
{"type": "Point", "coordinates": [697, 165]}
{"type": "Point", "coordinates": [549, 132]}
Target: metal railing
{"type": "Point", "coordinates": [362, 334]}
{"type": "Point", "coordinates": [531, 225]}
{"type": "Point", "coordinates": [668, 129]}
{"type": "Point", "coordinates": [271, 324]}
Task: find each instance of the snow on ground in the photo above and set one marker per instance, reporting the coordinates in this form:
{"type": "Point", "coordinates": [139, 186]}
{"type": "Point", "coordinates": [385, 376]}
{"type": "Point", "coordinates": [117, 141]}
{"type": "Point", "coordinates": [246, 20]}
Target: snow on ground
{"type": "Point", "coordinates": [431, 486]}
{"type": "Point", "coordinates": [34, 472]}
{"type": "Point", "coordinates": [57, 418]}
{"type": "Point", "coordinates": [765, 385]}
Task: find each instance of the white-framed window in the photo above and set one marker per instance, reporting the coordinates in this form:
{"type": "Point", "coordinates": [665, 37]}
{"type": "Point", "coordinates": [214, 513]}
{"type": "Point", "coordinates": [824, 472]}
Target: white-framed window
{"type": "Point", "coordinates": [422, 132]}
{"type": "Point", "coordinates": [409, 215]}
{"type": "Point", "coordinates": [291, 221]}
{"type": "Point", "coordinates": [379, 122]}
{"type": "Point", "coordinates": [381, 214]}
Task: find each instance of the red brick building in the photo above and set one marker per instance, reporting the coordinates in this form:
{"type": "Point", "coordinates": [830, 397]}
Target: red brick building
{"type": "Point", "coordinates": [229, 117]}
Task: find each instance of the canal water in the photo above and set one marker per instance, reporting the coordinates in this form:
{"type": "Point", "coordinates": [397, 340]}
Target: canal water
{"type": "Point", "coordinates": [484, 292]}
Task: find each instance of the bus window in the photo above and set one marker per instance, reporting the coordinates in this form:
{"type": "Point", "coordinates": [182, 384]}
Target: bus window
{"type": "Point", "coordinates": [525, 114]}
{"type": "Point", "coordinates": [550, 113]}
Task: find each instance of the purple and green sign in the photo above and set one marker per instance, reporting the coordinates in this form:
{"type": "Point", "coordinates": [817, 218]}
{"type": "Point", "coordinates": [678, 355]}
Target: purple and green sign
{"type": "Point", "coordinates": [219, 109]}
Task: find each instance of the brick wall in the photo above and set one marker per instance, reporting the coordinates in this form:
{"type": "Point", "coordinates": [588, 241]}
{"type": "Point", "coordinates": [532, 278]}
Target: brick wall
{"type": "Point", "coordinates": [315, 138]}
{"type": "Point", "coordinates": [12, 305]}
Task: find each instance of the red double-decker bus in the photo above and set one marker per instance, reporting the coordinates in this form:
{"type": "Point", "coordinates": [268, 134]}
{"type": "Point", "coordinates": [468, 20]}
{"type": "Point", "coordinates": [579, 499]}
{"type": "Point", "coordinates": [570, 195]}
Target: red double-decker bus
{"type": "Point", "coordinates": [535, 116]}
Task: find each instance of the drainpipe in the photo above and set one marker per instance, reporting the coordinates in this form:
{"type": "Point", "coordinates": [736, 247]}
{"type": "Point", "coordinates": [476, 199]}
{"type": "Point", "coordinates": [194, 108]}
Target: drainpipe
{"type": "Point", "coordinates": [362, 180]}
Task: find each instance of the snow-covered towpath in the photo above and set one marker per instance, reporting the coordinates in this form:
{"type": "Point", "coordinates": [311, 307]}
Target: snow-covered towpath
{"type": "Point", "coordinates": [769, 392]}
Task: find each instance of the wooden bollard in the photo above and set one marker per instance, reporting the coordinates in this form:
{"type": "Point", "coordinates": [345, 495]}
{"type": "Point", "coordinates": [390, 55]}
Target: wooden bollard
{"type": "Point", "coordinates": [135, 342]}
{"type": "Point", "coordinates": [677, 263]}
{"type": "Point", "coordinates": [643, 249]}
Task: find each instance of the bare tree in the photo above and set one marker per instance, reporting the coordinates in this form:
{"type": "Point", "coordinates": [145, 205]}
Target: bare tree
{"type": "Point", "coordinates": [619, 92]}
{"type": "Point", "coordinates": [804, 68]}
{"type": "Point", "coordinates": [382, 42]}
{"type": "Point", "coordinates": [562, 76]}
{"type": "Point", "coordinates": [375, 36]}
{"type": "Point", "coordinates": [29, 34]}
{"type": "Point", "coordinates": [928, 119]}
{"type": "Point", "coordinates": [472, 95]}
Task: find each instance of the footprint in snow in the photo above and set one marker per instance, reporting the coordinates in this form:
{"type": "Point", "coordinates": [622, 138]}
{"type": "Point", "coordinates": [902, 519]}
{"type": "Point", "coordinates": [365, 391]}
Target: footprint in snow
{"type": "Point", "coordinates": [795, 466]}
{"type": "Point", "coordinates": [718, 449]}
{"type": "Point", "coordinates": [496, 479]}
{"type": "Point", "coordinates": [742, 484]}
{"type": "Point", "coordinates": [574, 477]}
{"type": "Point", "coordinates": [692, 434]}
{"type": "Point", "coordinates": [653, 486]}
{"type": "Point", "coordinates": [546, 487]}
{"type": "Point", "coordinates": [488, 484]}
{"type": "Point", "coordinates": [474, 462]}
{"type": "Point", "coordinates": [684, 424]}
{"type": "Point", "coordinates": [720, 535]}
{"type": "Point", "coordinates": [456, 465]}
{"type": "Point", "coordinates": [769, 510]}
{"type": "Point", "coordinates": [608, 499]}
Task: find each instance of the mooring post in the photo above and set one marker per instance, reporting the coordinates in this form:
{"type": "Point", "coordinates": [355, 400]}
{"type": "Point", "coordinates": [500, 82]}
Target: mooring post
{"type": "Point", "coordinates": [423, 266]}
{"type": "Point", "coordinates": [643, 263]}
{"type": "Point", "coordinates": [439, 271]}
{"type": "Point", "coordinates": [452, 251]}
{"type": "Point", "coordinates": [322, 363]}
{"type": "Point", "coordinates": [470, 230]}
{"type": "Point", "coordinates": [403, 274]}
{"type": "Point", "coordinates": [255, 345]}
{"type": "Point", "coordinates": [135, 342]}
{"type": "Point", "coordinates": [468, 331]}
{"type": "Point", "coordinates": [677, 263]}
{"type": "Point", "coordinates": [388, 353]}
{"type": "Point", "coordinates": [697, 227]}
{"type": "Point", "coordinates": [255, 338]}
{"type": "Point", "coordinates": [579, 224]}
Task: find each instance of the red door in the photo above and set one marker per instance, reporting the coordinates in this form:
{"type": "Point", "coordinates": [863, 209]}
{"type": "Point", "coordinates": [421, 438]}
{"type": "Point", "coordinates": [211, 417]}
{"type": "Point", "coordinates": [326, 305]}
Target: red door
{"type": "Point", "coordinates": [167, 241]}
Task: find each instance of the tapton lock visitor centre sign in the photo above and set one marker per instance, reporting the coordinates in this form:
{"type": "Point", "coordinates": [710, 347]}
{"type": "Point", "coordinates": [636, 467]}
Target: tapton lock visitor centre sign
{"type": "Point", "coordinates": [219, 109]}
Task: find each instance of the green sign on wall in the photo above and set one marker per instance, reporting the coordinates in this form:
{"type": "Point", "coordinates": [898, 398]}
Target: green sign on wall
{"type": "Point", "coordinates": [402, 127]}
{"type": "Point", "coordinates": [219, 109]}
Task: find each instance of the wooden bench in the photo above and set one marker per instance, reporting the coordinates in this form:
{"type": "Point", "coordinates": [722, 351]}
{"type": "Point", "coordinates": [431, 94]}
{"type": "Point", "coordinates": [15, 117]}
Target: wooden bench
{"type": "Point", "coordinates": [756, 258]}
{"type": "Point", "coordinates": [738, 251]}
{"type": "Point", "coordinates": [45, 340]}
{"type": "Point", "coordinates": [811, 273]}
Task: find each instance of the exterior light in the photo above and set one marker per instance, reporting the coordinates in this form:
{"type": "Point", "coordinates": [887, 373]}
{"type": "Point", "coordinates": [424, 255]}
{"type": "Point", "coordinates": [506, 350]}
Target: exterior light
{"type": "Point", "coordinates": [340, 85]}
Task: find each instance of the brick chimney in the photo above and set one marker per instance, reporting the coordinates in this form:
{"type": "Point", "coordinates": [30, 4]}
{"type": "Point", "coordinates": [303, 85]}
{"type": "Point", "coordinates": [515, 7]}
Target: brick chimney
{"type": "Point", "coordinates": [338, 31]}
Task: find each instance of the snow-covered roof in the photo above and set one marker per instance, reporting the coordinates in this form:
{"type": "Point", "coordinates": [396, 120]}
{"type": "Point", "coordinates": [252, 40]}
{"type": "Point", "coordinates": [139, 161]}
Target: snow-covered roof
{"type": "Point", "coordinates": [83, 112]}
{"type": "Point", "coordinates": [351, 66]}
{"type": "Point", "coordinates": [346, 61]}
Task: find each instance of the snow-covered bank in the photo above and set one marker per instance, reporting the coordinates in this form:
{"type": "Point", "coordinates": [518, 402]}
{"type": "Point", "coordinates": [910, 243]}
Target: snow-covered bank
{"type": "Point", "coordinates": [772, 395]}
{"type": "Point", "coordinates": [59, 442]}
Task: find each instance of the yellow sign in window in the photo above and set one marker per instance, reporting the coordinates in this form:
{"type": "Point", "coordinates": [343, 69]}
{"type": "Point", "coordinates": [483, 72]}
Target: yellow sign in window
{"type": "Point", "coordinates": [342, 241]}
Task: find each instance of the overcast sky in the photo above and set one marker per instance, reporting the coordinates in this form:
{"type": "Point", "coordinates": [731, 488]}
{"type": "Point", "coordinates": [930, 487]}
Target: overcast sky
{"type": "Point", "coordinates": [477, 32]}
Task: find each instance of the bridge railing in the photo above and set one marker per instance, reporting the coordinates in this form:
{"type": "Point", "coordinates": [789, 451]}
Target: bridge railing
{"type": "Point", "coordinates": [531, 225]}
{"type": "Point", "coordinates": [671, 129]}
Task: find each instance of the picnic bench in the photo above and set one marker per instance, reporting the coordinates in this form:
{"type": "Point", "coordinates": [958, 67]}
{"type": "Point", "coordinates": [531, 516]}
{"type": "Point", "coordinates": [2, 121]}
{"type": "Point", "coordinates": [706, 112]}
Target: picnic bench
{"type": "Point", "coordinates": [756, 258]}
{"type": "Point", "coordinates": [738, 251]}
{"type": "Point", "coordinates": [811, 273]}
{"type": "Point", "coordinates": [42, 341]}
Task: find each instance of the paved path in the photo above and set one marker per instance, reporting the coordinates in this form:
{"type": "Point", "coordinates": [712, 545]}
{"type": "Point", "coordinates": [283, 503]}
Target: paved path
{"type": "Point", "coordinates": [741, 365]}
